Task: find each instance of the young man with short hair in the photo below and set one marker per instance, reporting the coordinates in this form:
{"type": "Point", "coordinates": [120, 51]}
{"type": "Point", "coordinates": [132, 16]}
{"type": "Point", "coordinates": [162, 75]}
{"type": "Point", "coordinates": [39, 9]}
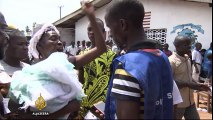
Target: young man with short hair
{"type": "Point", "coordinates": [166, 50]}
{"type": "Point", "coordinates": [15, 51]}
{"type": "Point", "coordinates": [72, 49]}
{"type": "Point", "coordinates": [141, 85]}
{"type": "Point", "coordinates": [83, 45]}
{"type": "Point", "coordinates": [197, 61]}
{"type": "Point", "coordinates": [78, 47]}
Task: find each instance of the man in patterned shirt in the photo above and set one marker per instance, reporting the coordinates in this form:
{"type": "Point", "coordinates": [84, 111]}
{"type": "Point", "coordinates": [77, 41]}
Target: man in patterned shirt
{"type": "Point", "coordinates": [95, 75]}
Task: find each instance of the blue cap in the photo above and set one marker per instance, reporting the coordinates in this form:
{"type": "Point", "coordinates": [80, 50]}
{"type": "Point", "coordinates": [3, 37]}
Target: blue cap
{"type": "Point", "coordinates": [2, 21]}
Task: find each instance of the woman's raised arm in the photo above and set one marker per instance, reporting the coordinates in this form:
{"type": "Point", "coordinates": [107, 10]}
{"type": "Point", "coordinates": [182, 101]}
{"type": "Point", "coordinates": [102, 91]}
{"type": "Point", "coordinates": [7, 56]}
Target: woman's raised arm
{"type": "Point", "coordinates": [100, 48]}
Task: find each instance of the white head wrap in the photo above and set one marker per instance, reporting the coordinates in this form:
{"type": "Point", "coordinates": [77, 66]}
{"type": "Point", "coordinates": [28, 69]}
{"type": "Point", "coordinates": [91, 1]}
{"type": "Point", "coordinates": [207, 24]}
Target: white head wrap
{"type": "Point", "coordinates": [33, 52]}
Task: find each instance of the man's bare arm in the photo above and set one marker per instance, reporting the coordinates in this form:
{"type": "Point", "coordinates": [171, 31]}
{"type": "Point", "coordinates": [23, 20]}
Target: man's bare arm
{"type": "Point", "coordinates": [127, 109]}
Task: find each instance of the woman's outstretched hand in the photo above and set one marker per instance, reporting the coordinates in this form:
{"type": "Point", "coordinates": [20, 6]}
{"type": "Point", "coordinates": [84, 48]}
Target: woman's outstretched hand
{"type": "Point", "coordinates": [87, 7]}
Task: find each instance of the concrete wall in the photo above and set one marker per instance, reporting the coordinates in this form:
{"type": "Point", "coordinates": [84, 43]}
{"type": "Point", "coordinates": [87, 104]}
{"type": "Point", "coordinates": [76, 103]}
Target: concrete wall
{"type": "Point", "coordinates": [81, 25]}
{"type": "Point", "coordinates": [170, 13]}
{"type": "Point", "coordinates": [166, 14]}
{"type": "Point", "coordinates": [67, 35]}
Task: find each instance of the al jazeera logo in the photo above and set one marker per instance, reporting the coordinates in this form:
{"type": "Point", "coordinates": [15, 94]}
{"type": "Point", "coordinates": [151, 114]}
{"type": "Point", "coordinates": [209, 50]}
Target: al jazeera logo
{"type": "Point", "coordinates": [40, 104]}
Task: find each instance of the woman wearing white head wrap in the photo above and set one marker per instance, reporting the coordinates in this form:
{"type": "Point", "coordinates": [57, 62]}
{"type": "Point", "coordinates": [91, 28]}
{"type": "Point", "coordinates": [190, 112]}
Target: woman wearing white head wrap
{"type": "Point", "coordinates": [37, 36]}
{"type": "Point", "coordinates": [47, 41]}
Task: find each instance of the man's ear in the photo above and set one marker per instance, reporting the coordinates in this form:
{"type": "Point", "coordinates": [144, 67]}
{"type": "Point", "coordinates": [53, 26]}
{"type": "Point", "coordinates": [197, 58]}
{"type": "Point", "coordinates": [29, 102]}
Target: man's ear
{"type": "Point", "coordinates": [123, 24]}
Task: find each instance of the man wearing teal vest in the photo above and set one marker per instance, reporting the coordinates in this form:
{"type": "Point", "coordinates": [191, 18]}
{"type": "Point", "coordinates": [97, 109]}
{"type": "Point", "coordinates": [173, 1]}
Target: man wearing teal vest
{"type": "Point", "coordinates": [142, 84]}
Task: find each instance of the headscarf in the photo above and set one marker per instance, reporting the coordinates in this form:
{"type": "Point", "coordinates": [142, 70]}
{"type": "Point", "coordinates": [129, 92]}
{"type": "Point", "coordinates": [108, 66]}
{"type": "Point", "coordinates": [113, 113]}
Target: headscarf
{"type": "Point", "coordinates": [33, 52]}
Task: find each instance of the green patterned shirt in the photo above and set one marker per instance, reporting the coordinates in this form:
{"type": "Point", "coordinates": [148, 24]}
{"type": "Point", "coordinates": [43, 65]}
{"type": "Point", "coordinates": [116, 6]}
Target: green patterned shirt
{"type": "Point", "coordinates": [96, 77]}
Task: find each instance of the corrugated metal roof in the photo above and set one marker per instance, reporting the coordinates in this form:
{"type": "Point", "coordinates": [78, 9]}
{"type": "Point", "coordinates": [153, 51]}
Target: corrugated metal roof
{"type": "Point", "coordinates": [70, 20]}
{"type": "Point", "coordinates": [205, 1]}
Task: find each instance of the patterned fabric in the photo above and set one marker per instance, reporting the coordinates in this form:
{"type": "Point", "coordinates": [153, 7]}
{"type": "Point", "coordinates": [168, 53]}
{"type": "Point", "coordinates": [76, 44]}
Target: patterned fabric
{"type": "Point", "coordinates": [126, 87]}
{"type": "Point", "coordinates": [96, 76]}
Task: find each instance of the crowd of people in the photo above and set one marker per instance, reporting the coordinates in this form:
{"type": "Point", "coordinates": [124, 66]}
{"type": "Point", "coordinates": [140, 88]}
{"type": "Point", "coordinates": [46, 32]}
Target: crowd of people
{"type": "Point", "coordinates": [139, 82]}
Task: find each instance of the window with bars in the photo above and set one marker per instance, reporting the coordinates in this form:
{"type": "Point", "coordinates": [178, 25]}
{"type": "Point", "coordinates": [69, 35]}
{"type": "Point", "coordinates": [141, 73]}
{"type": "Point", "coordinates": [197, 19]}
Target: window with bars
{"type": "Point", "coordinates": [154, 34]}
{"type": "Point", "coordinates": [157, 34]}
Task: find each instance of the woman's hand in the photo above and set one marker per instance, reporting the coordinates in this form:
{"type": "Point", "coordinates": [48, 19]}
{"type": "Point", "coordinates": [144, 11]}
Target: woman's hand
{"type": "Point", "coordinates": [199, 87]}
{"type": "Point", "coordinates": [71, 107]}
{"type": "Point", "coordinates": [87, 7]}
{"type": "Point", "coordinates": [100, 46]}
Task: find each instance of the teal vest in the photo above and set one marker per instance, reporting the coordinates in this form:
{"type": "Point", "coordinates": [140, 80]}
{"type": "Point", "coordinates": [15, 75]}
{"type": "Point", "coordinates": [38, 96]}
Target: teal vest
{"type": "Point", "coordinates": [154, 75]}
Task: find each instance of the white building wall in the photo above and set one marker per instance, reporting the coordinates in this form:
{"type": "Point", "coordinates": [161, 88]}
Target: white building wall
{"type": "Point", "coordinates": [81, 29]}
{"type": "Point", "coordinates": [170, 13]}
{"type": "Point", "coordinates": [81, 25]}
{"type": "Point", "coordinates": [166, 14]}
{"type": "Point", "coordinates": [67, 35]}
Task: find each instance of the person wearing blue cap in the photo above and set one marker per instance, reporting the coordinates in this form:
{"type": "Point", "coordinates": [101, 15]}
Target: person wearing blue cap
{"type": "Point", "coordinates": [3, 38]}
{"type": "Point", "coordinates": [2, 21]}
